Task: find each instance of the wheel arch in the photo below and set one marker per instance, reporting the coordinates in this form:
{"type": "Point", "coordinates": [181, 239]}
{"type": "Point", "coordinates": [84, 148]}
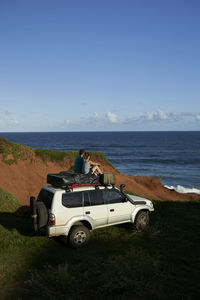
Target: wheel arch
{"type": "Point", "coordinates": [137, 211]}
{"type": "Point", "coordinates": [84, 223]}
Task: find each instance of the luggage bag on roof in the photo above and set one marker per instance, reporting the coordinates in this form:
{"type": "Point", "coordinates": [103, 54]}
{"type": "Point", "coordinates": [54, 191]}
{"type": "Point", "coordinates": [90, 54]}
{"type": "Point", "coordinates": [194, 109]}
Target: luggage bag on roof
{"type": "Point", "coordinates": [64, 179]}
{"type": "Point", "coordinates": [107, 178]}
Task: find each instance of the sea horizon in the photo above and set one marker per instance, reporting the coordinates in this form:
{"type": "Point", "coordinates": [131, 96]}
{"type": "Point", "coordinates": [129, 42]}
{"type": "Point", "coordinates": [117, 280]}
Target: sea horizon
{"type": "Point", "coordinates": [50, 131]}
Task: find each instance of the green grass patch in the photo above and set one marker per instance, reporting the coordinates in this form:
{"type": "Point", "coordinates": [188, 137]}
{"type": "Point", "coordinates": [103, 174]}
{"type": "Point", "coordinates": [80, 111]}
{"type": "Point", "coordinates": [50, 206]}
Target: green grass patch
{"type": "Point", "coordinates": [54, 155]}
{"type": "Point", "coordinates": [8, 203]}
{"type": "Point", "coordinates": [11, 152]}
{"type": "Point", "coordinates": [119, 263]}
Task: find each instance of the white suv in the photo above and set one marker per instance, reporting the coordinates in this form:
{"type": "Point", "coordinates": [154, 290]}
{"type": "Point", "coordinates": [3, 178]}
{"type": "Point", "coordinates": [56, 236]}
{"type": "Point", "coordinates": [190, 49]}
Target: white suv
{"type": "Point", "coordinates": [74, 212]}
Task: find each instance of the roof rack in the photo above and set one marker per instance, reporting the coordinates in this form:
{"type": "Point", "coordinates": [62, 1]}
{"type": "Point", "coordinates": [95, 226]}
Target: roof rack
{"type": "Point", "coordinates": [72, 186]}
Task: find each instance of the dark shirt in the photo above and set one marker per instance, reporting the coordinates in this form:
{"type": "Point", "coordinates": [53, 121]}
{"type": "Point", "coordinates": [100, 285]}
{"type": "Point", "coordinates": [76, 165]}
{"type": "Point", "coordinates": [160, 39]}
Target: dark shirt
{"type": "Point", "coordinates": [78, 164]}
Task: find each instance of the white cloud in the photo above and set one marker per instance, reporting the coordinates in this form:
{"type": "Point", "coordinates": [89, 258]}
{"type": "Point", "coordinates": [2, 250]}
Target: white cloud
{"type": "Point", "coordinates": [149, 116]}
{"type": "Point", "coordinates": [111, 117]}
{"type": "Point", "coordinates": [158, 119]}
{"type": "Point", "coordinates": [158, 115]}
{"type": "Point", "coordinates": [161, 115]}
{"type": "Point", "coordinates": [7, 122]}
{"type": "Point", "coordinates": [198, 117]}
{"type": "Point", "coordinates": [96, 116]}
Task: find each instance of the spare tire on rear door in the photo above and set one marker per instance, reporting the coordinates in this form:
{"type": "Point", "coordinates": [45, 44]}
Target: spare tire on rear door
{"type": "Point", "coordinates": [39, 214]}
{"type": "Point", "coordinates": [42, 214]}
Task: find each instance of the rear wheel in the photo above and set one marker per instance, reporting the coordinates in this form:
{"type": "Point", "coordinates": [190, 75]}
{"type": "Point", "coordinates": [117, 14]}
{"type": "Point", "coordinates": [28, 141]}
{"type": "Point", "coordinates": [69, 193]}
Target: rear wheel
{"type": "Point", "coordinates": [142, 220]}
{"type": "Point", "coordinates": [79, 236]}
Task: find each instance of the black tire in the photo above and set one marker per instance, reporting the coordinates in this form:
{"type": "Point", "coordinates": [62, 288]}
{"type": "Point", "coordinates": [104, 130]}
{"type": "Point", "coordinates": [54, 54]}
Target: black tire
{"type": "Point", "coordinates": [79, 236]}
{"type": "Point", "coordinates": [34, 213]}
{"type": "Point", "coordinates": [42, 214]}
{"type": "Point", "coordinates": [142, 220]}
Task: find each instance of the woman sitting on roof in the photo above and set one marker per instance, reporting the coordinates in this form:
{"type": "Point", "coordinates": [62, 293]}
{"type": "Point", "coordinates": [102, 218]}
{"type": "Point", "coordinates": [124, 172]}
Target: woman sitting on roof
{"type": "Point", "coordinates": [90, 167]}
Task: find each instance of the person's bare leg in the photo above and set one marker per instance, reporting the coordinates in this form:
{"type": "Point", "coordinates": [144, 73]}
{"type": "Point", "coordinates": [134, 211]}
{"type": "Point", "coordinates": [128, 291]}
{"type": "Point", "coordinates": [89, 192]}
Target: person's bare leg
{"type": "Point", "coordinates": [96, 170]}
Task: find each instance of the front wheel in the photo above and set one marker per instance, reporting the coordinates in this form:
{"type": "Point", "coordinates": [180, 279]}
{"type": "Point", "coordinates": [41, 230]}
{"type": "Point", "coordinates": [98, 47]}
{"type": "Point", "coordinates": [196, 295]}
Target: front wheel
{"type": "Point", "coordinates": [79, 236]}
{"type": "Point", "coordinates": [142, 220]}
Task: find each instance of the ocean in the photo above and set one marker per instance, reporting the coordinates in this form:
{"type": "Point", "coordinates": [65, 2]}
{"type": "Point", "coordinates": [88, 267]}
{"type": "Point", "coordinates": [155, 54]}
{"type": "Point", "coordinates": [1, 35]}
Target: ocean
{"type": "Point", "coordinates": [172, 156]}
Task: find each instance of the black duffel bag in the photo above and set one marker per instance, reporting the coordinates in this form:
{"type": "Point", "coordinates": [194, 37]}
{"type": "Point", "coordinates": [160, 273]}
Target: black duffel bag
{"type": "Point", "coordinates": [64, 179]}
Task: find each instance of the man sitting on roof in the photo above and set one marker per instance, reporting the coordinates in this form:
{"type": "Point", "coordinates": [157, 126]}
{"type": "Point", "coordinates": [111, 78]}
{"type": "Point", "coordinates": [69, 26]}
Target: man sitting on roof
{"type": "Point", "coordinates": [79, 162]}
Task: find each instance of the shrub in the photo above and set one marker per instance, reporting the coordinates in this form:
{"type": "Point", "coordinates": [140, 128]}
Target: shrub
{"type": "Point", "coordinates": [8, 203]}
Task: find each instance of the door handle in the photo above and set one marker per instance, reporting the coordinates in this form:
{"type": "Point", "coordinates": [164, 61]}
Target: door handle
{"type": "Point", "coordinates": [112, 209]}
{"type": "Point", "coordinates": [87, 212]}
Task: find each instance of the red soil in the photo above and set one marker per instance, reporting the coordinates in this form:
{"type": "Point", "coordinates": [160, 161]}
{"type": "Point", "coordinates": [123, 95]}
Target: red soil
{"type": "Point", "coordinates": [26, 177]}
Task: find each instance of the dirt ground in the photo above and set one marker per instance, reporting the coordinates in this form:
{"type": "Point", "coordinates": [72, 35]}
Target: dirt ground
{"type": "Point", "coordinates": [26, 177]}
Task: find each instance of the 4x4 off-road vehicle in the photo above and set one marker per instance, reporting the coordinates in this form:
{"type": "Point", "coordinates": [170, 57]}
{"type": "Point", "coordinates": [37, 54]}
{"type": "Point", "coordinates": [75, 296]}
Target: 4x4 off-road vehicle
{"type": "Point", "coordinates": [73, 210]}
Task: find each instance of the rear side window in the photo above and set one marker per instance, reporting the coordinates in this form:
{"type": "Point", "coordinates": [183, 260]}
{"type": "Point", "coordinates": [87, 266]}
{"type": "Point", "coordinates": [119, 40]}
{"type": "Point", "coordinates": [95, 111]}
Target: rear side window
{"type": "Point", "coordinates": [72, 200]}
{"type": "Point", "coordinates": [113, 196]}
{"type": "Point", "coordinates": [46, 197]}
{"type": "Point", "coordinates": [94, 198]}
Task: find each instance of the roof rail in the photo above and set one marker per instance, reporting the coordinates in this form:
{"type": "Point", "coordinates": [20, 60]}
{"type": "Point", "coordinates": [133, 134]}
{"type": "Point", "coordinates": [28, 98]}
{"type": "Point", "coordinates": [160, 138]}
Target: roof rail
{"type": "Point", "coordinates": [72, 186]}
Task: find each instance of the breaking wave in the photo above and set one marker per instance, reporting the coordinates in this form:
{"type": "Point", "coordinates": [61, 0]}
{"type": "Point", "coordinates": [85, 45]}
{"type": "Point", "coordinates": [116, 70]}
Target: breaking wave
{"type": "Point", "coordinates": [183, 190]}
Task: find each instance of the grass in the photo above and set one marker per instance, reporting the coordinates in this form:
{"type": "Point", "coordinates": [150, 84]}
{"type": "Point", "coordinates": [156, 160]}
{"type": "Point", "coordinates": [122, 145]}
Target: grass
{"type": "Point", "coordinates": [54, 155]}
{"type": "Point", "coordinates": [160, 263]}
{"type": "Point", "coordinates": [12, 152]}
{"type": "Point", "coordinates": [8, 203]}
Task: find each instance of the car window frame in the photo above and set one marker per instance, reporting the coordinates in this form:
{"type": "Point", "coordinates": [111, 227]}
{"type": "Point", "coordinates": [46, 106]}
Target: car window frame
{"type": "Point", "coordinates": [89, 198]}
{"type": "Point", "coordinates": [116, 202]}
{"type": "Point", "coordinates": [70, 194]}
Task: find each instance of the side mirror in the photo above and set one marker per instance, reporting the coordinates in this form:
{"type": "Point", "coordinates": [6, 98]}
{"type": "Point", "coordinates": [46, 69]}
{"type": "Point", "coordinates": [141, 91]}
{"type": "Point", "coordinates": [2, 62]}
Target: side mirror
{"type": "Point", "coordinates": [122, 186]}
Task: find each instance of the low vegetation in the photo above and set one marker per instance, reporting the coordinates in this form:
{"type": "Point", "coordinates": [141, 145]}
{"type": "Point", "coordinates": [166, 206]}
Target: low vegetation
{"type": "Point", "coordinates": [8, 203]}
{"type": "Point", "coordinates": [118, 263]}
{"type": "Point", "coordinates": [54, 155]}
{"type": "Point", "coordinates": [12, 152]}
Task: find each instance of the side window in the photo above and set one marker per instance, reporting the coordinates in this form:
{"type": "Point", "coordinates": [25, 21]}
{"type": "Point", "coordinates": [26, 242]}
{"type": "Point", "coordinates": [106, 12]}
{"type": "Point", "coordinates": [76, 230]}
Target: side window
{"type": "Point", "coordinates": [96, 197]}
{"type": "Point", "coordinates": [86, 198]}
{"type": "Point", "coordinates": [46, 197]}
{"type": "Point", "coordinates": [72, 200]}
{"type": "Point", "coordinates": [113, 196]}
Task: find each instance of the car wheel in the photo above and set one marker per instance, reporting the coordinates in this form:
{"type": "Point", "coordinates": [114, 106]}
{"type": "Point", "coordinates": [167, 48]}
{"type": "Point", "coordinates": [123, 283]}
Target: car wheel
{"type": "Point", "coordinates": [79, 236]}
{"type": "Point", "coordinates": [142, 220]}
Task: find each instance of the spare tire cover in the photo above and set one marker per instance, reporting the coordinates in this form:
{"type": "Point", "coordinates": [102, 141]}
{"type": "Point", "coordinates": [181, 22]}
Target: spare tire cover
{"type": "Point", "coordinates": [42, 214]}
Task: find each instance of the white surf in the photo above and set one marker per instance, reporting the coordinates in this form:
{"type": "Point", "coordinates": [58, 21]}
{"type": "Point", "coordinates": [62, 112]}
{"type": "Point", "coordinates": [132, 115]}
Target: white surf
{"type": "Point", "coordinates": [183, 190]}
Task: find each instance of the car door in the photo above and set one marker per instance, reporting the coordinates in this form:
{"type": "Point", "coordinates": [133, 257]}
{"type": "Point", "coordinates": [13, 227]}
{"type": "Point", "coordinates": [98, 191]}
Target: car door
{"type": "Point", "coordinates": [72, 206]}
{"type": "Point", "coordinates": [119, 209]}
{"type": "Point", "coordinates": [95, 207]}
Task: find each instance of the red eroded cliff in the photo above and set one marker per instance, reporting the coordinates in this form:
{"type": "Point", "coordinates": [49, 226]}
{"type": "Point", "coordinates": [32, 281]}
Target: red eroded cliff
{"type": "Point", "coordinates": [25, 178]}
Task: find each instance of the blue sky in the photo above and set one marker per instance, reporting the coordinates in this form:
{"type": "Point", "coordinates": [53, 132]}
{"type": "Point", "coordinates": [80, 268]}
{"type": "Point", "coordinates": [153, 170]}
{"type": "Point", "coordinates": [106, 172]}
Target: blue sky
{"type": "Point", "coordinates": [99, 65]}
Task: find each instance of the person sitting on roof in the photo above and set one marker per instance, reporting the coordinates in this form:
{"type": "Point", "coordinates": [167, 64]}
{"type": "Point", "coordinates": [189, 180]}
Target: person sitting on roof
{"type": "Point", "coordinates": [90, 167]}
{"type": "Point", "coordinates": [79, 162]}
